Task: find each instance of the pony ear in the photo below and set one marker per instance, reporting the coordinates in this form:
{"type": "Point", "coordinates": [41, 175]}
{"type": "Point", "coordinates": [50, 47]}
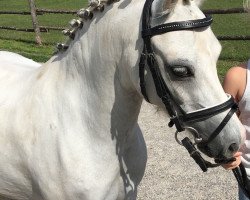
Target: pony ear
{"type": "Point", "coordinates": [199, 2]}
{"type": "Point", "coordinates": [163, 6]}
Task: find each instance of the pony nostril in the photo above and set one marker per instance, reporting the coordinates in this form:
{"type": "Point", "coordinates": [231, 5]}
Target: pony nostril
{"type": "Point", "coordinates": [233, 147]}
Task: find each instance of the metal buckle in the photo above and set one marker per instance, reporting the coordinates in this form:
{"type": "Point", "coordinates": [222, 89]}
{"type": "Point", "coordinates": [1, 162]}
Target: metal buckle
{"type": "Point", "coordinates": [193, 131]}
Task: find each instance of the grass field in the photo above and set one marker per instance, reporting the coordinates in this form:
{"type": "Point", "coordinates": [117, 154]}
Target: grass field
{"type": "Point", "coordinates": [233, 52]}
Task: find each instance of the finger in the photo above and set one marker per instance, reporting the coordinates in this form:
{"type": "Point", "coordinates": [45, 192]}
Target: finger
{"type": "Point", "coordinates": [229, 167]}
{"type": "Point", "coordinates": [238, 154]}
{"type": "Point", "coordinates": [232, 165]}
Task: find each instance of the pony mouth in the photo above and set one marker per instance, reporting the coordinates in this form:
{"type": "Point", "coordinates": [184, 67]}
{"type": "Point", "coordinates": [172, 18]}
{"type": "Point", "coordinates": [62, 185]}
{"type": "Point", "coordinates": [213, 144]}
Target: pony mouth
{"type": "Point", "coordinates": [224, 160]}
{"type": "Point", "coordinates": [207, 151]}
{"type": "Point", "coordinates": [219, 157]}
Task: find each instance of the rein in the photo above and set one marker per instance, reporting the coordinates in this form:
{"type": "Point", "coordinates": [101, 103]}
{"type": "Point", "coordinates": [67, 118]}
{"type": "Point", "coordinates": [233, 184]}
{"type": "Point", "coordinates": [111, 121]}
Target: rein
{"type": "Point", "coordinates": [242, 179]}
{"type": "Point", "coordinates": [178, 116]}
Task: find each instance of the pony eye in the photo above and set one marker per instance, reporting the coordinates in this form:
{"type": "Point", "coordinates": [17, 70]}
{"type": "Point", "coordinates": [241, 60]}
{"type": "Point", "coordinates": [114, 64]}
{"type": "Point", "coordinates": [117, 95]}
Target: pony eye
{"type": "Point", "coordinates": [181, 71]}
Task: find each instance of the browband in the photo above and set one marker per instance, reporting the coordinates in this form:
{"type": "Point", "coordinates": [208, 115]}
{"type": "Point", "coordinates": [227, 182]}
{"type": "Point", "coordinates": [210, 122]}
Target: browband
{"type": "Point", "coordinates": [177, 26]}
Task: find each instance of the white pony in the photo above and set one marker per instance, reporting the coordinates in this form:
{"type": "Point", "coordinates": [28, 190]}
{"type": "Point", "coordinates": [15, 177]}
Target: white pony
{"type": "Point", "coordinates": [68, 128]}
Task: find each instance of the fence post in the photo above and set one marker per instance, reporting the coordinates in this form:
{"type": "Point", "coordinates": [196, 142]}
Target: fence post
{"type": "Point", "coordinates": [35, 22]}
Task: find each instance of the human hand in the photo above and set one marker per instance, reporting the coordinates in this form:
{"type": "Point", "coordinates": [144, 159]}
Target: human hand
{"type": "Point", "coordinates": [235, 163]}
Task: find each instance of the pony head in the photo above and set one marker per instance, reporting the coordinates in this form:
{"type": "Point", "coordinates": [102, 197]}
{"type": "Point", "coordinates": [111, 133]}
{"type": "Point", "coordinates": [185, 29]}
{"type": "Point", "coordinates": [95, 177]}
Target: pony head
{"type": "Point", "coordinates": [187, 61]}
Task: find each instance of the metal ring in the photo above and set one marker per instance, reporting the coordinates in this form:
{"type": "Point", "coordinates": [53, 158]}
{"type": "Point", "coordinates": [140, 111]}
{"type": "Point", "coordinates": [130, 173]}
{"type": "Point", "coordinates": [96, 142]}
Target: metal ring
{"type": "Point", "coordinates": [193, 131]}
{"type": "Point", "coordinates": [176, 138]}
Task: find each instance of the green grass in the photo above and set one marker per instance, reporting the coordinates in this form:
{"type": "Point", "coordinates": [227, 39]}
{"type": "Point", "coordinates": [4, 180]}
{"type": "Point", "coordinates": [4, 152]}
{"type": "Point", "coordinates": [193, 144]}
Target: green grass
{"type": "Point", "coordinates": [214, 4]}
{"type": "Point", "coordinates": [234, 52]}
{"type": "Point", "coordinates": [24, 43]}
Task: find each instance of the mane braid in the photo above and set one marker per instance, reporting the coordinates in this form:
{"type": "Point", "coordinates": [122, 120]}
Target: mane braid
{"type": "Point", "coordinates": [84, 14]}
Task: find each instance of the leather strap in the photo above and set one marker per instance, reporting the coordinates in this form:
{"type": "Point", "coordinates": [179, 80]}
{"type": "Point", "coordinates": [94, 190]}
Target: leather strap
{"type": "Point", "coordinates": [221, 126]}
{"type": "Point", "coordinates": [196, 155]}
{"type": "Point", "coordinates": [177, 26]}
{"type": "Point", "coordinates": [163, 91]}
{"type": "Point", "coordinates": [141, 74]}
{"type": "Point", "coordinates": [242, 179]}
{"type": "Point", "coordinates": [201, 115]}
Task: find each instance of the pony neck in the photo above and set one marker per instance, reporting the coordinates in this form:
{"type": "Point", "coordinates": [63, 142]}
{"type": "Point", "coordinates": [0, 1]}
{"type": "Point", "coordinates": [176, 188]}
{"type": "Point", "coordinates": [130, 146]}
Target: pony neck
{"type": "Point", "coordinates": [93, 74]}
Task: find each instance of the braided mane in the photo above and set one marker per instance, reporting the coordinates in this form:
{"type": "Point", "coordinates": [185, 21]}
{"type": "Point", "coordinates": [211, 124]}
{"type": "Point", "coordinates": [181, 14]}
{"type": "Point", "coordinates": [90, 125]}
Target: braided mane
{"type": "Point", "coordinates": [83, 14]}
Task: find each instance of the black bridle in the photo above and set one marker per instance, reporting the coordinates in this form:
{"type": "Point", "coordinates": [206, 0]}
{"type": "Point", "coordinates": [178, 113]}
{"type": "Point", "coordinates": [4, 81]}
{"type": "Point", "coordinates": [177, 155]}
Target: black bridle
{"type": "Point", "coordinates": [178, 116]}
